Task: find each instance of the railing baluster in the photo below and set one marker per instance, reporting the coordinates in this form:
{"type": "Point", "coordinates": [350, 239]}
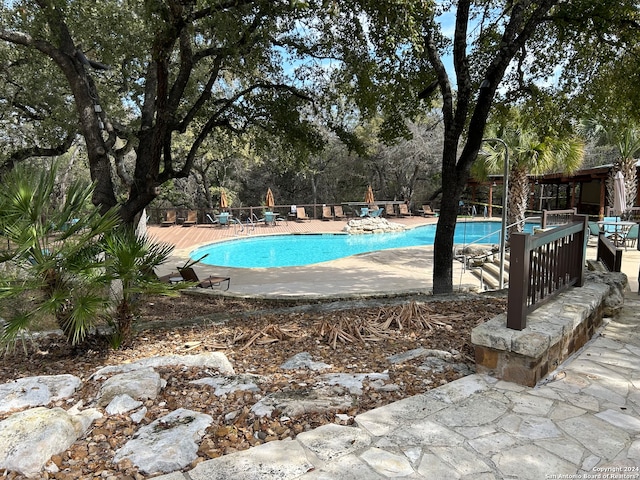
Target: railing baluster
{"type": "Point", "coordinates": [542, 265]}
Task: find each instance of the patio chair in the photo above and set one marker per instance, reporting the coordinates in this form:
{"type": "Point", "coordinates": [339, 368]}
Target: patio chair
{"type": "Point", "coordinates": [326, 213]}
{"type": "Point", "coordinates": [169, 218]}
{"type": "Point", "coordinates": [192, 218]}
{"type": "Point", "coordinates": [376, 213]}
{"type": "Point", "coordinates": [190, 275]}
{"type": "Point", "coordinates": [168, 278]}
{"type": "Point", "coordinates": [338, 214]}
{"type": "Point", "coordinates": [391, 212]}
{"type": "Point", "coordinates": [403, 210]}
{"type": "Point", "coordinates": [364, 212]}
{"type": "Point", "coordinates": [301, 215]}
{"type": "Point", "coordinates": [594, 231]}
{"type": "Point", "coordinates": [611, 228]}
{"type": "Point", "coordinates": [631, 237]}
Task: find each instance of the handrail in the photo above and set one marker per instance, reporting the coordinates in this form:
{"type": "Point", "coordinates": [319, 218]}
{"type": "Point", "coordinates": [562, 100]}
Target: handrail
{"type": "Point", "coordinates": [236, 222]}
{"type": "Point", "coordinates": [477, 240]}
{"type": "Point", "coordinates": [544, 264]}
{"type": "Point", "coordinates": [250, 221]}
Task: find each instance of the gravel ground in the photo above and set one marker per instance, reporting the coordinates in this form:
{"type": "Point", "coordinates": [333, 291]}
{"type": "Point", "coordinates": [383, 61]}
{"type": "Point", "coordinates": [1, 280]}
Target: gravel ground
{"type": "Point", "coordinates": [257, 337]}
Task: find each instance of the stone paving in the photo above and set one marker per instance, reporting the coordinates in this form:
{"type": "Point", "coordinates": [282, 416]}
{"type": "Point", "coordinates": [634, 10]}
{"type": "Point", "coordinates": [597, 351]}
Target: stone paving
{"type": "Point", "coordinates": [583, 421]}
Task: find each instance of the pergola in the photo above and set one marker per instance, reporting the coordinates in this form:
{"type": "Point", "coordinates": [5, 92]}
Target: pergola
{"type": "Point", "coordinates": [585, 190]}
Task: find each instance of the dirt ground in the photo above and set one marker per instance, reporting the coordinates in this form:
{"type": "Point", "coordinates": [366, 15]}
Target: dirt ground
{"type": "Point", "coordinates": [257, 338]}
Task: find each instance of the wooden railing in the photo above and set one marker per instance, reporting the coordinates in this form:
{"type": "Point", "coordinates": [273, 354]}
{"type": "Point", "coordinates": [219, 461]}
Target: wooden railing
{"type": "Point", "coordinates": [313, 210]}
{"type": "Point", "coordinates": [542, 265]}
{"type": "Point", "coordinates": [609, 254]}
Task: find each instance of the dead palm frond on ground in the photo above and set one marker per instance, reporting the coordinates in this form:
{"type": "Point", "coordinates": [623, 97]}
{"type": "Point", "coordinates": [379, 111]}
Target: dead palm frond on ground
{"type": "Point", "coordinates": [414, 316]}
{"type": "Point", "coordinates": [269, 334]}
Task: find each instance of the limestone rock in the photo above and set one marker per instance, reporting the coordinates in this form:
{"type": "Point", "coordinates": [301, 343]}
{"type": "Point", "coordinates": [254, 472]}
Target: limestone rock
{"type": "Point", "coordinates": [303, 360]}
{"type": "Point", "coordinates": [226, 385]}
{"type": "Point", "coordinates": [617, 282]}
{"type": "Point", "coordinates": [332, 441]}
{"type": "Point", "coordinates": [272, 460]}
{"type": "Point", "coordinates": [167, 444]}
{"type": "Point", "coordinates": [354, 381]}
{"type": "Point", "coordinates": [36, 391]}
{"type": "Point", "coordinates": [122, 404]}
{"type": "Point", "coordinates": [299, 402]}
{"type": "Point", "coordinates": [372, 225]}
{"type": "Point", "coordinates": [28, 439]}
{"type": "Point", "coordinates": [213, 360]}
{"type": "Point", "coordinates": [138, 415]}
{"type": "Point", "coordinates": [140, 384]}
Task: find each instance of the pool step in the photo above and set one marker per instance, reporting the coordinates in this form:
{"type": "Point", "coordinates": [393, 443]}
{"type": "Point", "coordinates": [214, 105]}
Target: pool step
{"type": "Point", "coordinates": [489, 273]}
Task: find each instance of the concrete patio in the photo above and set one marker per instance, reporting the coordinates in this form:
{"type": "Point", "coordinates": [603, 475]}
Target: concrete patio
{"type": "Point", "coordinates": [384, 272]}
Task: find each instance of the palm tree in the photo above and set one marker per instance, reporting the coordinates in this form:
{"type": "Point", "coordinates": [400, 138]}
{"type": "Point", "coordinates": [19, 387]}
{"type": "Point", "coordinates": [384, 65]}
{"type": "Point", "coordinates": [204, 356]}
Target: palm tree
{"type": "Point", "coordinates": [626, 140]}
{"type": "Point", "coordinates": [60, 260]}
{"type": "Point", "coordinates": [528, 155]}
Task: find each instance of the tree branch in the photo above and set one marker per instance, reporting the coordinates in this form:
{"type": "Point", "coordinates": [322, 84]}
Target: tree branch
{"type": "Point", "coordinates": [34, 151]}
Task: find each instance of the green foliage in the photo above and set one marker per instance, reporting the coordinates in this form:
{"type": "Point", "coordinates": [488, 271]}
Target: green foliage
{"type": "Point", "coordinates": [61, 258]}
{"type": "Point", "coordinates": [529, 154]}
{"type": "Point", "coordinates": [51, 255]}
{"type": "Point", "coordinates": [130, 260]}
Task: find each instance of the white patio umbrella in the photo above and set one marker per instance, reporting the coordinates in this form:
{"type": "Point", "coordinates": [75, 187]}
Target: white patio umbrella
{"type": "Point", "coordinates": [619, 194]}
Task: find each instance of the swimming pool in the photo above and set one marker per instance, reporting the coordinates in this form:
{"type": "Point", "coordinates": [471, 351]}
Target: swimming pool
{"type": "Point", "coordinates": [305, 249]}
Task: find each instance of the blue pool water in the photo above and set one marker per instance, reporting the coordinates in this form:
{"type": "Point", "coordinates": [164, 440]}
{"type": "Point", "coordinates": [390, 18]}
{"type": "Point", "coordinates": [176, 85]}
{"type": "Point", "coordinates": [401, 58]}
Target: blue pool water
{"type": "Point", "coordinates": [296, 250]}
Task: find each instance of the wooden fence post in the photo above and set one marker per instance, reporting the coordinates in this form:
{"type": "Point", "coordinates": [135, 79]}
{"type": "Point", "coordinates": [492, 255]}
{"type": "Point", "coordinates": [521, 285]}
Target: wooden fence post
{"type": "Point", "coordinates": [518, 281]}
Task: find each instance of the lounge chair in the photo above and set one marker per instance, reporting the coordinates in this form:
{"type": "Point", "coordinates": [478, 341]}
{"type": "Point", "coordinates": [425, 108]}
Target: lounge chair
{"type": "Point", "coordinates": [190, 275]}
{"type": "Point", "coordinates": [364, 212]}
{"type": "Point", "coordinates": [427, 211]}
{"type": "Point", "coordinates": [326, 213]}
{"type": "Point", "coordinates": [169, 218]}
{"type": "Point", "coordinates": [338, 214]}
{"type": "Point", "coordinates": [376, 213]}
{"type": "Point", "coordinates": [192, 218]}
{"type": "Point", "coordinates": [403, 210]}
{"type": "Point", "coordinates": [301, 215]}
{"type": "Point", "coordinates": [391, 212]}
{"type": "Point", "coordinates": [168, 278]}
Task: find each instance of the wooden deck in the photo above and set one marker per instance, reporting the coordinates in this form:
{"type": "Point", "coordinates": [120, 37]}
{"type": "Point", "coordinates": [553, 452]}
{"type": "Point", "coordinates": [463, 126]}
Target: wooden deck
{"type": "Point", "coordinates": [189, 237]}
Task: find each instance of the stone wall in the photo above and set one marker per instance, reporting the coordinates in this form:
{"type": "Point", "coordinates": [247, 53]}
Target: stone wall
{"type": "Point", "coordinates": [553, 333]}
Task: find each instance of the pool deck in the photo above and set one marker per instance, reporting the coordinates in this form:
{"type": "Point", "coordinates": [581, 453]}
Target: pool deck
{"type": "Point", "coordinates": [396, 271]}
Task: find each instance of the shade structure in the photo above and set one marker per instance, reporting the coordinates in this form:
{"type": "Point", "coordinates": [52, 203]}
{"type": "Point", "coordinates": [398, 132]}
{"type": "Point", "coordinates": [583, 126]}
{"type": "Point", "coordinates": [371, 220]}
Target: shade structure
{"type": "Point", "coordinates": [270, 200]}
{"type": "Point", "coordinates": [619, 194]}
{"type": "Point", "coordinates": [224, 203]}
{"type": "Point", "coordinates": [368, 197]}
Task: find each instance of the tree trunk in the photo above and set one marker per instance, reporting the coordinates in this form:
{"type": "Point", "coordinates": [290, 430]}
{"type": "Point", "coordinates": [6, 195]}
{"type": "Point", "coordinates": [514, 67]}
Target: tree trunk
{"type": "Point", "coordinates": [517, 199]}
{"type": "Point", "coordinates": [453, 185]}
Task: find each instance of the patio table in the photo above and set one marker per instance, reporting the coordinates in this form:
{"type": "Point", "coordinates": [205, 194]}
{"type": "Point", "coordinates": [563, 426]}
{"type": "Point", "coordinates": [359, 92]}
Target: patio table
{"type": "Point", "coordinates": [620, 230]}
